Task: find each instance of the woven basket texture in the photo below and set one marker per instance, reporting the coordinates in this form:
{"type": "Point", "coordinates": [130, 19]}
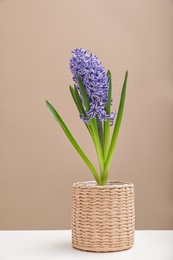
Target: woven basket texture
{"type": "Point", "coordinates": [103, 217]}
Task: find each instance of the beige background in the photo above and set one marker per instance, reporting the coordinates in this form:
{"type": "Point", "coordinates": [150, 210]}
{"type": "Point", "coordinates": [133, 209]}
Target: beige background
{"type": "Point", "coordinates": [38, 164]}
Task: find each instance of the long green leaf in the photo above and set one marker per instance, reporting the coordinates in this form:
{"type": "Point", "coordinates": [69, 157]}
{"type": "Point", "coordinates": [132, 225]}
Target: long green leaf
{"type": "Point", "coordinates": [78, 102]}
{"type": "Point", "coordinates": [107, 123]}
{"type": "Point", "coordinates": [72, 91]}
{"type": "Point", "coordinates": [108, 105]}
{"type": "Point", "coordinates": [116, 127]}
{"type": "Point", "coordinates": [57, 117]}
{"type": "Point", "coordinates": [84, 94]}
{"type": "Point", "coordinates": [100, 132]}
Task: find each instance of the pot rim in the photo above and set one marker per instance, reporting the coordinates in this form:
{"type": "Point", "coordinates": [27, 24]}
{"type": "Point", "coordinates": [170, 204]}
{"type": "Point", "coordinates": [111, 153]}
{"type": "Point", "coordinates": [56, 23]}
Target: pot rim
{"type": "Point", "coordinates": [110, 184]}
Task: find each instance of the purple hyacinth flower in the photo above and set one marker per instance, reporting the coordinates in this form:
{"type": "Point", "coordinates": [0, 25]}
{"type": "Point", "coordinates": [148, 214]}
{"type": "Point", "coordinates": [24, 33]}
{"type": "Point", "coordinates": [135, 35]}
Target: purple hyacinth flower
{"type": "Point", "coordinates": [95, 80]}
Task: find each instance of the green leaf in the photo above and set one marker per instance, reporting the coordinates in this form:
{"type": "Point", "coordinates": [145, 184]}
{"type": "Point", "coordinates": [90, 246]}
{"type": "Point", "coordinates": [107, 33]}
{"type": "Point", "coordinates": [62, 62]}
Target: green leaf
{"type": "Point", "coordinates": [100, 131]}
{"type": "Point", "coordinates": [78, 102]}
{"type": "Point", "coordinates": [108, 105]}
{"type": "Point", "coordinates": [57, 117]}
{"type": "Point", "coordinates": [72, 91]}
{"type": "Point", "coordinates": [107, 123]}
{"type": "Point", "coordinates": [116, 127]}
{"type": "Point", "coordinates": [84, 94]}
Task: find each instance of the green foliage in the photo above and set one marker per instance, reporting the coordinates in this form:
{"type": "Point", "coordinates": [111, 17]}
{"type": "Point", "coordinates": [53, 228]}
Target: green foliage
{"type": "Point", "coordinates": [99, 131]}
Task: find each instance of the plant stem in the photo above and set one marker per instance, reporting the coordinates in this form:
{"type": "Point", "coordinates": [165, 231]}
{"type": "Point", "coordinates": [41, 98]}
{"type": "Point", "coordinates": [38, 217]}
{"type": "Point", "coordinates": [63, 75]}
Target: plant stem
{"type": "Point", "coordinates": [97, 145]}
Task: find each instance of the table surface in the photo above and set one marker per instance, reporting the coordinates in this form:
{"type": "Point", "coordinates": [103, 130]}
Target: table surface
{"type": "Point", "coordinates": [56, 244]}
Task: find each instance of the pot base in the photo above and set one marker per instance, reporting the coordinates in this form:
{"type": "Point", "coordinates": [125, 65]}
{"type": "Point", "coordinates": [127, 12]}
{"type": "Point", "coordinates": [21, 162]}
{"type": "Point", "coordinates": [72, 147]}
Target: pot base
{"type": "Point", "coordinates": [99, 250]}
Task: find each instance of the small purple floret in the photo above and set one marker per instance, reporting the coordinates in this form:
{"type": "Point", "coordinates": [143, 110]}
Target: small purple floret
{"type": "Point", "coordinates": [94, 78]}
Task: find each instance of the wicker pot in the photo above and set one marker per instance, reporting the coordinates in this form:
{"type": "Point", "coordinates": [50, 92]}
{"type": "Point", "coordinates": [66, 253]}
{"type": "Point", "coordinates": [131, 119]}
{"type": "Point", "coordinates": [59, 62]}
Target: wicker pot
{"type": "Point", "coordinates": [103, 217]}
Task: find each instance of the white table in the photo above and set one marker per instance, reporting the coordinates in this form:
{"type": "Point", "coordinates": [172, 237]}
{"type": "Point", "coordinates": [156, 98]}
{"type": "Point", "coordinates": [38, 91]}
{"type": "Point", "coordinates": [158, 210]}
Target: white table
{"type": "Point", "coordinates": [51, 245]}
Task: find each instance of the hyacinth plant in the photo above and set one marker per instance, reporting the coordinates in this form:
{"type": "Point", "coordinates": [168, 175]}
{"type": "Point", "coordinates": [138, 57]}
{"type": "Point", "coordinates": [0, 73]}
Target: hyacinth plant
{"type": "Point", "coordinates": [92, 94]}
